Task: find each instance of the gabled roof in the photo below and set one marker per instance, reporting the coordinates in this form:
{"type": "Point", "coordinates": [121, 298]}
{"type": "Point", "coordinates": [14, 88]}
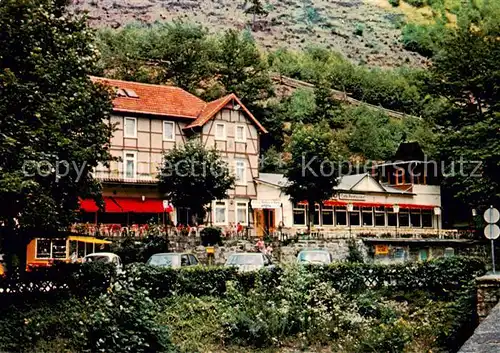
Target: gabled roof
{"type": "Point", "coordinates": [273, 179]}
{"type": "Point", "coordinates": [346, 183]}
{"type": "Point", "coordinates": [213, 107]}
{"type": "Point", "coordinates": [162, 100]}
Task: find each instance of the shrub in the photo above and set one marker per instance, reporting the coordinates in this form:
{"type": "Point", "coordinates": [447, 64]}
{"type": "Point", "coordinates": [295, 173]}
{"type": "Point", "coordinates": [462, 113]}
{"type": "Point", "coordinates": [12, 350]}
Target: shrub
{"type": "Point", "coordinates": [418, 38]}
{"type": "Point", "coordinates": [355, 254]}
{"type": "Point", "coordinates": [300, 305]}
{"type": "Point", "coordinates": [131, 249]}
{"type": "Point", "coordinates": [394, 3]}
{"type": "Point", "coordinates": [392, 338]}
{"type": "Point", "coordinates": [123, 321]}
{"type": "Point", "coordinates": [211, 236]}
{"type": "Point", "coordinates": [359, 29]}
{"type": "Point", "coordinates": [416, 3]}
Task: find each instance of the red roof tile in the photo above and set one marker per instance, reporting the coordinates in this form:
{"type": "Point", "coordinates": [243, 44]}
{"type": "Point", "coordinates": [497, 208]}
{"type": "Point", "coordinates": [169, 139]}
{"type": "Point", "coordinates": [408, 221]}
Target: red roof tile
{"type": "Point", "coordinates": [155, 99]}
{"type": "Point", "coordinates": [169, 101]}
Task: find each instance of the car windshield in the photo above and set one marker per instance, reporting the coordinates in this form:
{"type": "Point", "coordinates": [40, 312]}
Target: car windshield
{"type": "Point", "coordinates": [98, 258]}
{"type": "Point", "coordinates": [245, 259]}
{"type": "Point", "coordinates": [164, 260]}
{"type": "Point", "coordinates": [314, 256]}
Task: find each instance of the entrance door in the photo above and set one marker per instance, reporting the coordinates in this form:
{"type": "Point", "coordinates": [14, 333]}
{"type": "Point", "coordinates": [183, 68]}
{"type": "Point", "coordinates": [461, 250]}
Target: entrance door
{"type": "Point", "coordinates": [259, 222]}
{"type": "Point", "coordinates": [270, 220]}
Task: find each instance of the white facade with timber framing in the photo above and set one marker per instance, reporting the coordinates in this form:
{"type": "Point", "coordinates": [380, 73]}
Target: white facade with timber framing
{"type": "Point", "coordinates": [151, 120]}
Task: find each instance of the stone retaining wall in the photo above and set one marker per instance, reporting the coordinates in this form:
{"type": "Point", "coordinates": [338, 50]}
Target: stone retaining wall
{"type": "Point", "coordinates": [488, 295]}
{"type": "Point", "coordinates": [486, 337]}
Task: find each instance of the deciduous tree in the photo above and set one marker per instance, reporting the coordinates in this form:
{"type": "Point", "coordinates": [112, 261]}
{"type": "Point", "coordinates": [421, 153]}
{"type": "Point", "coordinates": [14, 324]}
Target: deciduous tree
{"type": "Point", "coordinates": [193, 176]}
{"type": "Point", "coordinates": [240, 68]}
{"type": "Point", "coordinates": [53, 128]}
{"type": "Point", "coordinates": [313, 167]}
{"type": "Point", "coordinates": [467, 74]}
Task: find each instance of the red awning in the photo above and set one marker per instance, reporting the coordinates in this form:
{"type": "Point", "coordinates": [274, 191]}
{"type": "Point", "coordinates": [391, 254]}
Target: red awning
{"type": "Point", "coordinates": [126, 204]}
{"type": "Point", "coordinates": [373, 204]}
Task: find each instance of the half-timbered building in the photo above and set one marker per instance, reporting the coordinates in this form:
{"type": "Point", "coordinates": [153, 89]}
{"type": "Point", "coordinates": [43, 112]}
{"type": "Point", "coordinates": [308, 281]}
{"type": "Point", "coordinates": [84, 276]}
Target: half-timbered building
{"type": "Point", "coordinates": [150, 120]}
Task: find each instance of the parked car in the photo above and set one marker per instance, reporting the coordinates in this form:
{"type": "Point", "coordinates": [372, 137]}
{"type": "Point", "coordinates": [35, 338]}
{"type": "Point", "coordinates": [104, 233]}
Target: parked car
{"type": "Point", "coordinates": [316, 257]}
{"type": "Point", "coordinates": [173, 259]}
{"type": "Point", "coordinates": [105, 257]}
{"type": "Point", "coordinates": [249, 261]}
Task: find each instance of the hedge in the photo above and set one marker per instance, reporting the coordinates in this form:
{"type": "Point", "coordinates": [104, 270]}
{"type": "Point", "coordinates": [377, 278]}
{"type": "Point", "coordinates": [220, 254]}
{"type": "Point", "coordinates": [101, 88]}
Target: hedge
{"type": "Point", "coordinates": [437, 276]}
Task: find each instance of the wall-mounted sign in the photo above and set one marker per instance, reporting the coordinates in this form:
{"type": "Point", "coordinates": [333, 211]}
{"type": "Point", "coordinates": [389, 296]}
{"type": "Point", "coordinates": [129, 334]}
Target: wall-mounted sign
{"type": "Point", "coordinates": [357, 197]}
{"type": "Point", "coordinates": [266, 204]}
{"type": "Point", "coordinates": [381, 249]}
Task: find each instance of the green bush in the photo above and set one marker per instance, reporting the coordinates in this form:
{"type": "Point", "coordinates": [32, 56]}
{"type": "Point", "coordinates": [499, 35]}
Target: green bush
{"type": "Point", "coordinates": [211, 236]}
{"type": "Point", "coordinates": [124, 321]}
{"type": "Point", "coordinates": [394, 3]}
{"type": "Point", "coordinates": [416, 3]}
{"type": "Point", "coordinates": [131, 249]}
{"type": "Point", "coordinates": [301, 306]}
{"type": "Point", "coordinates": [359, 29]}
{"type": "Point", "coordinates": [362, 307]}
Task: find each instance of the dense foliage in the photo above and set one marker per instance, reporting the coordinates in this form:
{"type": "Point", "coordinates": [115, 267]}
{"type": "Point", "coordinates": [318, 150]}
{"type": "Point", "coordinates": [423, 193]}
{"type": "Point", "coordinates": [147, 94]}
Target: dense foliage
{"type": "Point", "coordinates": [185, 55]}
{"type": "Point", "coordinates": [466, 73]}
{"type": "Point", "coordinates": [131, 249]}
{"type": "Point", "coordinates": [356, 307]}
{"type": "Point", "coordinates": [400, 90]}
{"type": "Point", "coordinates": [53, 128]}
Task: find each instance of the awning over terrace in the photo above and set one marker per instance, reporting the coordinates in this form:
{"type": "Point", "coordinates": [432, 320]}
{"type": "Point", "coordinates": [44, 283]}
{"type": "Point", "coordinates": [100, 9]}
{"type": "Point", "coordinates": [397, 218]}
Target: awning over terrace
{"type": "Point", "coordinates": [126, 204]}
{"type": "Point", "coordinates": [373, 204]}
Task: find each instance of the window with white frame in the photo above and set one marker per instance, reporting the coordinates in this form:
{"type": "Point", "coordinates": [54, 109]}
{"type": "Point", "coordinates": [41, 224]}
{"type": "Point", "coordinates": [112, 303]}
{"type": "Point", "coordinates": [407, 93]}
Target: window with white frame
{"type": "Point", "coordinates": [220, 131]}
{"type": "Point", "coordinates": [327, 215]}
{"type": "Point", "coordinates": [341, 215]}
{"type": "Point", "coordinates": [392, 217]}
{"type": "Point", "coordinates": [240, 172]}
{"type": "Point", "coordinates": [130, 127]}
{"type": "Point", "coordinates": [43, 248]}
{"type": "Point", "coordinates": [415, 220]}
{"type": "Point", "coordinates": [50, 248]}
{"type": "Point", "coordinates": [404, 217]}
{"type": "Point", "coordinates": [354, 217]}
{"type": "Point", "coordinates": [426, 219]}
{"type": "Point", "coordinates": [242, 212]}
{"type": "Point", "coordinates": [240, 133]}
{"type": "Point", "coordinates": [299, 214]}
{"type": "Point", "coordinates": [130, 165]}
{"type": "Point", "coordinates": [367, 216]}
{"type": "Point", "coordinates": [220, 211]}
{"type": "Point", "coordinates": [379, 216]}
{"type": "Point", "coordinates": [168, 130]}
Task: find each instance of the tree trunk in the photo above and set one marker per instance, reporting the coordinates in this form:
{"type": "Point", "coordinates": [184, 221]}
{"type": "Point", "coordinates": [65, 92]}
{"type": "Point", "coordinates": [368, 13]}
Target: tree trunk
{"type": "Point", "coordinates": [310, 215]}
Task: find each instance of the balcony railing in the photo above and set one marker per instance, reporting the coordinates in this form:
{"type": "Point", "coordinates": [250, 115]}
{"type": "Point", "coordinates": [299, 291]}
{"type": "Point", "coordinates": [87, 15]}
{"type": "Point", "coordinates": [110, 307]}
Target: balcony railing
{"type": "Point", "coordinates": [118, 176]}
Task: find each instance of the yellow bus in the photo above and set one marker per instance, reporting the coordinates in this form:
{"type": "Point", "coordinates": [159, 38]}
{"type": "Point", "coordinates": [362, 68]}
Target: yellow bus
{"type": "Point", "coordinates": [46, 251]}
